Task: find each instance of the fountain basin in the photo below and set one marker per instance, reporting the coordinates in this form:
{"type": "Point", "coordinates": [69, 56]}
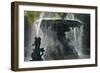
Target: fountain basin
{"type": "Point", "coordinates": [59, 25]}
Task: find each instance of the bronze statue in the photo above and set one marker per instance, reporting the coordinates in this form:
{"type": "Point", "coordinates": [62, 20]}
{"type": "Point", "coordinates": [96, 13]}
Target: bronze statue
{"type": "Point", "coordinates": [37, 51]}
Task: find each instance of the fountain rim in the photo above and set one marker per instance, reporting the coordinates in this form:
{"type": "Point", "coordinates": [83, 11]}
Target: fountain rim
{"type": "Point", "coordinates": [61, 19]}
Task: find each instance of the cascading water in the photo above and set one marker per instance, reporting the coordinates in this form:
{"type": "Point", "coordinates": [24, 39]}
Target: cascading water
{"type": "Point", "coordinates": [77, 34]}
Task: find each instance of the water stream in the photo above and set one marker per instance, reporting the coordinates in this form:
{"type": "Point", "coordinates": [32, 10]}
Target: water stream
{"type": "Point", "coordinates": [77, 34]}
{"type": "Point", "coordinates": [39, 23]}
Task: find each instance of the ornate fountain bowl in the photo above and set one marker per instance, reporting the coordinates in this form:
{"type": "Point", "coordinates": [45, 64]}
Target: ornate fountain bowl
{"type": "Point", "coordinates": [59, 25]}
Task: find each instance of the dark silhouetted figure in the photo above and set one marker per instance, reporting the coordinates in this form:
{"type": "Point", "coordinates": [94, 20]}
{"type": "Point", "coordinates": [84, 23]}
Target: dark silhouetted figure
{"type": "Point", "coordinates": [37, 51]}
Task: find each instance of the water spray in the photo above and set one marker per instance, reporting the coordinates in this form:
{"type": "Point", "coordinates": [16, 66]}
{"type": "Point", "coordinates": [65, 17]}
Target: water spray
{"type": "Point", "coordinates": [39, 23]}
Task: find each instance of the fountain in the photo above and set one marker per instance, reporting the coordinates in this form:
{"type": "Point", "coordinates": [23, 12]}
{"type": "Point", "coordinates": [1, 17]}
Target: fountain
{"type": "Point", "coordinates": [71, 48]}
{"type": "Point", "coordinates": [68, 24]}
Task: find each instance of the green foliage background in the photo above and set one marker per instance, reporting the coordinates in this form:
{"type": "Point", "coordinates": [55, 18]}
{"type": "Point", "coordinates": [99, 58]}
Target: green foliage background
{"type": "Point", "coordinates": [31, 16]}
